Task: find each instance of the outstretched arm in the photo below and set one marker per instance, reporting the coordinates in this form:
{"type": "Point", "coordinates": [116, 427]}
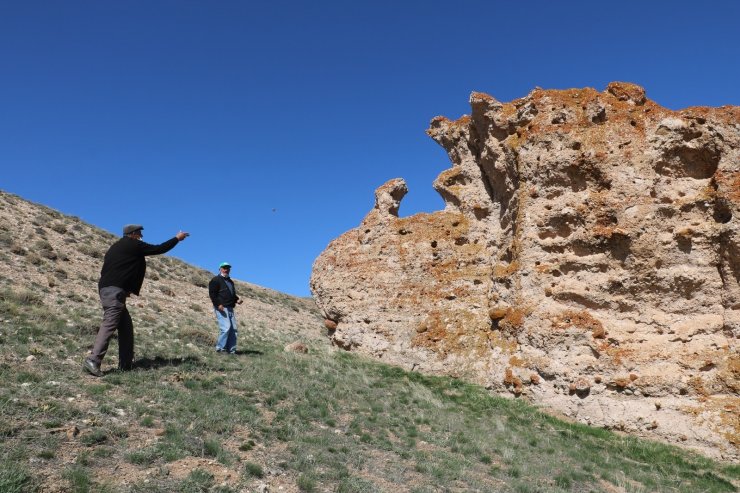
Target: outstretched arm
{"type": "Point", "coordinates": [148, 249]}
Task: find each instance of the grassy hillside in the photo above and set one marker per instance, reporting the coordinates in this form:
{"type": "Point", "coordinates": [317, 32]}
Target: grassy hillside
{"type": "Point", "coordinates": [188, 420]}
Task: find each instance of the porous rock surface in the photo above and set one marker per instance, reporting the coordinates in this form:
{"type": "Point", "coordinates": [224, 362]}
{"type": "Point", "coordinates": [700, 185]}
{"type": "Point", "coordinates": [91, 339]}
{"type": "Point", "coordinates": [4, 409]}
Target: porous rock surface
{"type": "Point", "coordinates": [587, 259]}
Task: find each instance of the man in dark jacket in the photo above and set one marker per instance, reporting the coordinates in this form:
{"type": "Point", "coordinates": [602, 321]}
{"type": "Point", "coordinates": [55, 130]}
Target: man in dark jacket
{"type": "Point", "coordinates": [122, 275]}
{"type": "Point", "coordinates": [222, 292]}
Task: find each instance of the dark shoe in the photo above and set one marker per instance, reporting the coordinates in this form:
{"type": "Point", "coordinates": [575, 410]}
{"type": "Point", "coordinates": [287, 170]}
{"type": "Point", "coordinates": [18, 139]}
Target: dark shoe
{"type": "Point", "coordinates": [92, 367]}
{"type": "Point", "coordinates": [126, 367]}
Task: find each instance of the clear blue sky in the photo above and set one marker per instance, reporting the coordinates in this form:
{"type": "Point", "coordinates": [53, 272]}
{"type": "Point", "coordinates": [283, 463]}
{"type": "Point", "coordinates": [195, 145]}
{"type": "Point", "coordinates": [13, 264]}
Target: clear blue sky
{"type": "Point", "coordinates": [263, 128]}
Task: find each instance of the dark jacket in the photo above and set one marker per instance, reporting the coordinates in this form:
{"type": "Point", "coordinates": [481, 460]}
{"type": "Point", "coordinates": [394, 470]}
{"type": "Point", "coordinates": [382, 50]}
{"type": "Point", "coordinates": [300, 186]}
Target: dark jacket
{"type": "Point", "coordinates": [218, 290]}
{"type": "Point", "coordinates": [124, 265]}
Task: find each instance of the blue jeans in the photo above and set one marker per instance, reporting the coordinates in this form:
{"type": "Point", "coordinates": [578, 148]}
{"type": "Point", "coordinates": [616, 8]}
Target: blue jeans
{"type": "Point", "coordinates": [227, 330]}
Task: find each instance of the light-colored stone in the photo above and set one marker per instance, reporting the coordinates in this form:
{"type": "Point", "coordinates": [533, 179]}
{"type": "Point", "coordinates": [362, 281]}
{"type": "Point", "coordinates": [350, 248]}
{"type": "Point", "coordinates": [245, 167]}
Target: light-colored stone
{"type": "Point", "coordinates": [588, 238]}
{"type": "Point", "coordinates": [296, 347]}
{"type": "Point", "coordinates": [72, 432]}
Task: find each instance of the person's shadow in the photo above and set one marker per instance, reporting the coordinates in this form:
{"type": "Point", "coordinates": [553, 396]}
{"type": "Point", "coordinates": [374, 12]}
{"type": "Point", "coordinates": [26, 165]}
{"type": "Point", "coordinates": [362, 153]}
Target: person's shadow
{"type": "Point", "coordinates": [160, 362]}
{"type": "Point", "coordinates": [247, 352]}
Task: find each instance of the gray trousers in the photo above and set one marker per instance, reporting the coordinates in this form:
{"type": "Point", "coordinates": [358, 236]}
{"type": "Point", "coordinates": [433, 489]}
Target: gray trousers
{"type": "Point", "coordinates": [115, 318]}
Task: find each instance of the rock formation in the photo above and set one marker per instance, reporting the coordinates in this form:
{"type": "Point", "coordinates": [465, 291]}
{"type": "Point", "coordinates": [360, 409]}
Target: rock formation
{"type": "Point", "coordinates": [587, 259]}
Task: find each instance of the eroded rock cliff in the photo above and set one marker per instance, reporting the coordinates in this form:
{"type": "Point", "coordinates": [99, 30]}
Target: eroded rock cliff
{"type": "Point", "coordinates": [588, 259]}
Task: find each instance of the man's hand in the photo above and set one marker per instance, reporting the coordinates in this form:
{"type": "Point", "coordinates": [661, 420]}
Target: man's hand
{"type": "Point", "coordinates": [181, 235]}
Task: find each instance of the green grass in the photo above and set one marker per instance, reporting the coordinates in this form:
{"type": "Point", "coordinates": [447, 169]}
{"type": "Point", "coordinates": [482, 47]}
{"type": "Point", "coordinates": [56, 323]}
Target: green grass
{"type": "Point", "coordinates": [78, 479]}
{"type": "Point", "coordinates": [253, 470]}
{"type": "Point", "coordinates": [15, 479]}
{"type": "Point", "coordinates": [323, 421]}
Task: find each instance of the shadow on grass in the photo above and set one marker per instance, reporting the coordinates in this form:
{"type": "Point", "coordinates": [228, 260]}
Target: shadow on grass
{"type": "Point", "coordinates": [160, 362]}
{"type": "Point", "coordinates": [248, 352]}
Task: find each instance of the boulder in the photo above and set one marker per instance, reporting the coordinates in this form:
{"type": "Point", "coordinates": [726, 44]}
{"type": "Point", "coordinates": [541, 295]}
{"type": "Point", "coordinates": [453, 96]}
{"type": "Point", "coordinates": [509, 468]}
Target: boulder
{"type": "Point", "coordinates": [587, 259]}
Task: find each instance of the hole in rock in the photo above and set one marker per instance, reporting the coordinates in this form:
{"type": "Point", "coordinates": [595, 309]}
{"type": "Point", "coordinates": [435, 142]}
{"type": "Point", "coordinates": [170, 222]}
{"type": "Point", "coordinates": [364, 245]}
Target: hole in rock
{"type": "Point", "coordinates": [722, 213]}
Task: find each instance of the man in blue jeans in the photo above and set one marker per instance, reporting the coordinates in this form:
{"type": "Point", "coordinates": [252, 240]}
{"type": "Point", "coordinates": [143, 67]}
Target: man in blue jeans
{"type": "Point", "coordinates": [222, 292]}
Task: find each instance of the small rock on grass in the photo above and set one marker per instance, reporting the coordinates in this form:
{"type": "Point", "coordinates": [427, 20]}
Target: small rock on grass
{"type": "Point", "coordinates": [296, 347]}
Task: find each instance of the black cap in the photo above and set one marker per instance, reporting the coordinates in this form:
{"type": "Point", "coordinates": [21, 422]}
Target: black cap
{"type": "Point", "coordinates": [132, 228]}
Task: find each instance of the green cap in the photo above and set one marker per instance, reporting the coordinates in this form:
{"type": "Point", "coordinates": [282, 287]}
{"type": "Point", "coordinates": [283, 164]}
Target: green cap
{"type": "Point", "coordinates": [224, 264]}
